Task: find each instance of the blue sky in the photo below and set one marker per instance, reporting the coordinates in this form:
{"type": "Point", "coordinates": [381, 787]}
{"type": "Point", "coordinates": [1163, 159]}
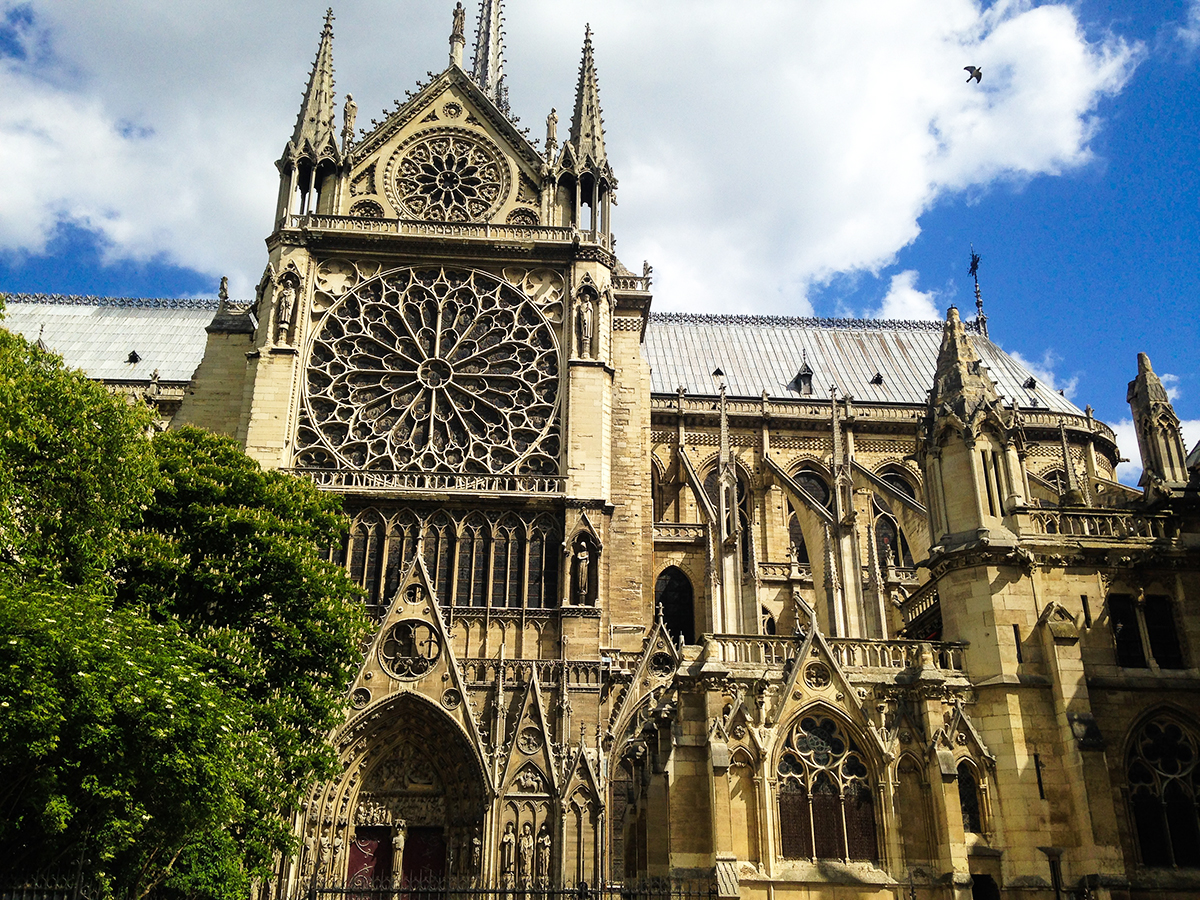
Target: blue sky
{"type": "Point", "coordinates": [814, 157]}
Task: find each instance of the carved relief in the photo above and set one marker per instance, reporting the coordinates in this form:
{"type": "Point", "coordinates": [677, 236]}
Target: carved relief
{"type": "Point", "coordinates": [364, 182]}
{"type": "Point", "coordinates": [543, 286]}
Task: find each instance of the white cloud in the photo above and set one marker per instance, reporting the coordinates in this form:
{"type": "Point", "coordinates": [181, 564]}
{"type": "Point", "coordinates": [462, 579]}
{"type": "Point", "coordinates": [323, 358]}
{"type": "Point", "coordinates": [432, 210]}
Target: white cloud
{"type": "Point", "coordinates": [762, 148]}
{"type": "Point", "coordinates": [904, 301]}
{"type": "Point", "coordinates": [1189, 32]}
{"type": "Point", "coordinates": [1130, 472]}
{"type": "Point", "coordinates": [1170, 383]}
{"type": "Point", "coordinates": [1043, 371]}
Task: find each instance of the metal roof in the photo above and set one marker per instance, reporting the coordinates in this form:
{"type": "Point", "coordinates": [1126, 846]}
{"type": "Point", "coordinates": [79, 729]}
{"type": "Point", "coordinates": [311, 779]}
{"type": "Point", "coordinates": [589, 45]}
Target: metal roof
{"type": "Point", "coordinates": [97, 334]}
{"type": "Point", "coordinates": [765, 353]}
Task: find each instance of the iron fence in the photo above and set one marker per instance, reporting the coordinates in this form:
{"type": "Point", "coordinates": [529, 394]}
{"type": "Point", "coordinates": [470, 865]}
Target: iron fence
{"type": "Point", "coordinates": [478, 889]}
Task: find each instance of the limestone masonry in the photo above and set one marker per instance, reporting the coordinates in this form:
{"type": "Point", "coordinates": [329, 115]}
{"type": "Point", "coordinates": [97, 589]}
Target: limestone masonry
{"type": "Point", "coordinates": [809, 608]}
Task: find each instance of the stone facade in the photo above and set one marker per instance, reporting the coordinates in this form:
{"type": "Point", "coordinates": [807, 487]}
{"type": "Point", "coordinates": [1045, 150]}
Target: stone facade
{"type": "Point", "coordinates": [806, 643]}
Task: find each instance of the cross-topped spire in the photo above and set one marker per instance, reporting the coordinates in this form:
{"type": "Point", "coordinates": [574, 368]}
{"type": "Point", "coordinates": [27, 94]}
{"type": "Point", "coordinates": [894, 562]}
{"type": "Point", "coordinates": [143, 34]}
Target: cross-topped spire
{"type": "Point", "coordinates": [314, 125]}
{"type": "Point", "coordinates": [587, 125]}
{"type": "Point", "coordinates": [974, 273]}
{"type": "Point", "coordinates": [488, 68]}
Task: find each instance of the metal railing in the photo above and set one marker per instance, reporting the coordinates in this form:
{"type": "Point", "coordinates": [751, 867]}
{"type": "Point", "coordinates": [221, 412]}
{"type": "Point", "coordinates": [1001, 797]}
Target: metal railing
{"type": "Point", "coordinates": [508, 888]}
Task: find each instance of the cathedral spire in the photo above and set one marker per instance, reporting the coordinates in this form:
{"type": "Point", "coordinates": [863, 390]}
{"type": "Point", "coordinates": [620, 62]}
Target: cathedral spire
{"type": "Point", "coordinates": [960, 381]}
{"type": "Point", "coordinates": [1164, 459]}
{"type": "Point", "coordinates": [488, 68]}
{"type": "Point", "coordinates": [587, 126]}
{"type": "Point", "coordinates": [314, 125]}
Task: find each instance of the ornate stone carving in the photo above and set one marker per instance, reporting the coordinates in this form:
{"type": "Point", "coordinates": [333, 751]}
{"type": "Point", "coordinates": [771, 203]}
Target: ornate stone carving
{"type": "Point", "coordinates": [410, 649]}
{"type": "Point", "coordinates": [448, 175]}
{"type": "Point", "coordinates": [529, 740]}
{"type": "Point", "coordinates": [523, 217]}
{"type": "Point", "coordinates": [433, 370]}
{"type": "Point", "coordinates": [816, 675]}
{"type": "Point", "coordinates": [367, 209]}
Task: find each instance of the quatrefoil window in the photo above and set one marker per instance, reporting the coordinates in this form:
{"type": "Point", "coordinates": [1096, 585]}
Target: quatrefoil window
{"type": "Point", "coordinates": [410, 649]}
{"type": "Point", "coordinates": [448, 176]}
{"type": "Point", "coordinates": [433, 370]}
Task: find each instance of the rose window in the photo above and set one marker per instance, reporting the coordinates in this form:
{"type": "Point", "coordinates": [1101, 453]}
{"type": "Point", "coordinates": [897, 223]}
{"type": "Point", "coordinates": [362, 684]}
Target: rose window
{"type": "Point", "coordinates": [432, 370]}
{"type": "Point", "coordinates": [410, 649]}
{"type": "Point", "coordinates": [448, 176]}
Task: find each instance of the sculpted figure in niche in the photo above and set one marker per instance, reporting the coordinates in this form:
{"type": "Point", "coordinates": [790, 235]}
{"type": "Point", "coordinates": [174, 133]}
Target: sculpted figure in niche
{"type": "Point", "coordinates": [551, 133]}
{"type": "Point", "coordinates": [527, 843]}
{"type": "Point", "coordinates": [508, 851]}
{"type": "Point", "coordinates": [585, 324]}
{"type": "Point", "coordinates": [543, 854]}
{"type": "Point", "coordinates": [284, 302]}
{"type": "Point", "coordinates": [582, 574]}
{"type": "Point", "coordinates": [476, 853]}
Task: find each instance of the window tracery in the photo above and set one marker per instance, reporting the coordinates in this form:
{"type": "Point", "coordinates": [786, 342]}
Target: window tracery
{"type": "Point", "coordinates": [1164, 785]}
{"type": "Point", "coordinates": [969, 799]}
{"type": "Point", "coordinates": [449, 175]}
{"type": "Point", "coordinates": [432, 370]}
{"type": "Point", "coordinates": [826, 807]}
{"type": "Point", "coordinates": [475, 559]}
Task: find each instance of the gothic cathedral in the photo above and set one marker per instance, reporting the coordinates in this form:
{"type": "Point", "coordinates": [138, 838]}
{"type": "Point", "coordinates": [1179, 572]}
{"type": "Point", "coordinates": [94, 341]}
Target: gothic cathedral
{"type": "Point", "coordinates": [804, 608]}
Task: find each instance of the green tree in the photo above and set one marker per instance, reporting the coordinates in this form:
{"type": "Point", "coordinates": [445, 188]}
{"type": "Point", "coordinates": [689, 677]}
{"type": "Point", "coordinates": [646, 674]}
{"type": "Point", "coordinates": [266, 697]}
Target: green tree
{"type": "Point", "coordinates": [173, 648]}
{"type": "Point", "coordinates": [234, 553]}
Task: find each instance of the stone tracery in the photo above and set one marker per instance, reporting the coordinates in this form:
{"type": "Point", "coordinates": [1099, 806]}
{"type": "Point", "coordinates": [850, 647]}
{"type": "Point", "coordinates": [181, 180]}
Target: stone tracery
{"type": "Point", "coordinates": [433, 370]}
{"type": "Point", "coordinates": [448, 176]}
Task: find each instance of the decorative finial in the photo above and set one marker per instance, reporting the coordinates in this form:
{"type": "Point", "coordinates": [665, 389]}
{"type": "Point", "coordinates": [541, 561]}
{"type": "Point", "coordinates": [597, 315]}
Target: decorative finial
{"type": "Point", "coordinates": [974, 273]}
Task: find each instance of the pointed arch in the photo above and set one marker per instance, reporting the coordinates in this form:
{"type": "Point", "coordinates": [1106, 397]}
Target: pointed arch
{"type": "Point", "coordinates": [674, 594]}
{"type": "Point", "coordinates": [508, 562]}
{"type": "Point", "coordinates": [913, 810]}
{"type": "Point", "coordinates": [474, 537]}
{"type": "Point", "coordinates": [826, 788]}
{"type": "Point", "coordinates": [1162, 769]}
{"type": "Point", "coordinates": [404, 538]}
{"type": "Point", "coordinates": [366, 554]}
{"type": "Point", "coordinates": [439, 545]}
{"type": "Point", "coordinates": [544, 550]}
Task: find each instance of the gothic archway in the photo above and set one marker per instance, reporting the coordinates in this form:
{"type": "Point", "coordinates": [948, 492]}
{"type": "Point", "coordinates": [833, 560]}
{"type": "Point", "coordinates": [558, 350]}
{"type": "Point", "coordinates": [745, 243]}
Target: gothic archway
{"type": "Point", "coordinates": [411, 801]}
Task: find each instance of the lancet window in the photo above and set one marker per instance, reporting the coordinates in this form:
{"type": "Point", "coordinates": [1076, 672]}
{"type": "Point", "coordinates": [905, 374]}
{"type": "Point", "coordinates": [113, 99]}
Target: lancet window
{"type": "Point", "coordinates": [889, 538]}
{"type": "Point", "coordinates": [826, 803]}
{"type": "Point", "coordinates": [1164, 785]}
{"type": "Point", "coordinates": [474, 559]}
{"type": "Point", "coordinates": [737, 503]}
{"type": "Point", "coordinates": [969, 800]}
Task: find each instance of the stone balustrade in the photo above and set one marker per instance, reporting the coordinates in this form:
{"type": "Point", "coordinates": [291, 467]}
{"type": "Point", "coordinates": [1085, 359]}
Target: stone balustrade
{"type": "Point", "coordinates": [680, 532]}
{"type": "Point", "coordinates": [425, 482]}
{"type": "Point", "coordinates": [1107, 524]}
{"type": "Point", "coordinates": [851, 653]}
{"type": "Point", "coordinates": [480, 230]}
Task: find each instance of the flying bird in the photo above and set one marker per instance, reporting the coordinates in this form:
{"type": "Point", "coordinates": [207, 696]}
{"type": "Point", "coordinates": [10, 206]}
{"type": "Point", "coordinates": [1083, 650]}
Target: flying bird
{"type": "Point", "coordinates": [974, 72]}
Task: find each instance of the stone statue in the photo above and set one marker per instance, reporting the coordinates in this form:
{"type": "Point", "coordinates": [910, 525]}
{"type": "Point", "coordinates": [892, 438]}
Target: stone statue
{"type": "Point", "coordinates": [551, 133]}
{"type": "Point", "coordinates": [323, 855]}
{"type": "Point", "coordinates": [582, 575]}
{"type": "Point", "coordinates": [476, 853]}
{"type": "Point", "coordinates": [585, 323]}
{"type": "Point", "coordinates": [460, 22]}
{"type": "Point", "coordinates": [508, 851]}
{"type": "Point", "coordinates": [283, 311]}
{"type": "Point", "coordinates": [543, 854]}
{"type": "Point", "coordinates": [399, 836]}
{"type": "Point", "coordinates": [527, 843]}
{"type": "Point", "coordinates": [349, 115]}
{"type": "Point", "coordinates": [223, 293]}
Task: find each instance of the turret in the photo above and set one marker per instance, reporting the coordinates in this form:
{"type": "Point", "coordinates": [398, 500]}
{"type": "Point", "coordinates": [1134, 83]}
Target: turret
{"type": "Point", "coordinates": [308, 167]}
{"type": "Point", "coordinates": [1160, 442]}
{"type": "Point", "coordinates": [583, 164]}
{"type": "Point", "coordinates": [969, 456]}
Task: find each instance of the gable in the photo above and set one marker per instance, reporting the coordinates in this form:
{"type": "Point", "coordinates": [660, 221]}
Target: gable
{"type": "Point", "coordinates": [448, 155]}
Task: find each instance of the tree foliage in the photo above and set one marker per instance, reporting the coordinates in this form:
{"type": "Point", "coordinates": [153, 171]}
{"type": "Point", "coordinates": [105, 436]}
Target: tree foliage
{"type": "Point", "coordinates": [173, 648]}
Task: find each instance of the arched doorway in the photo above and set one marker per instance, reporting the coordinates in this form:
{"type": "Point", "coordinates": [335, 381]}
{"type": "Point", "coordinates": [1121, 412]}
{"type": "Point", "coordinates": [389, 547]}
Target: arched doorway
{"type": "Point", "coordinates": [419, 810]}
{"type": "Point", "coordinates": [673, 594]}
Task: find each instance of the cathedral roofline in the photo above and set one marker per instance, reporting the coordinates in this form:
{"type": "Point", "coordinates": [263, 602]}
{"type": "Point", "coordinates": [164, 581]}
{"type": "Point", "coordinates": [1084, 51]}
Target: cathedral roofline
{"type": "Point", "coordinates": [118, 302]}
{"type": "Point", "coordinates": [846, 324]}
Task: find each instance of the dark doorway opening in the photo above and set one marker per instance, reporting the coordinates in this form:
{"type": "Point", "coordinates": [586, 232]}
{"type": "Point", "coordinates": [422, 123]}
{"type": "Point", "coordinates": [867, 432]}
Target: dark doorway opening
{"type": "Point", "coordinates": [673, 594]}
{"type": "Point", "coordinates": [424, 853]}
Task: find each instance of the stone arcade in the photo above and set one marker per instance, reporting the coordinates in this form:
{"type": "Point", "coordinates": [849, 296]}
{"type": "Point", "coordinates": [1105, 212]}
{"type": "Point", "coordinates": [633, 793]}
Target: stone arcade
{"type": "Point", "coordinates": [653, 598]}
